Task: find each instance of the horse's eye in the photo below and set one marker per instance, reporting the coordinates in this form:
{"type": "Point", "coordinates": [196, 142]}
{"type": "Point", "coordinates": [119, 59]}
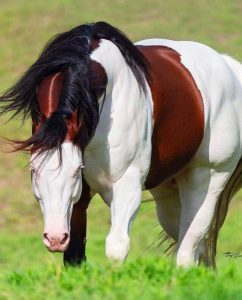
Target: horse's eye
{"type": "Point", "coordinates": [32, 170]}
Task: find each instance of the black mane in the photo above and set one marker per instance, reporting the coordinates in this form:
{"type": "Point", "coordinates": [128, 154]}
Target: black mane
{"type": "Point", "coordinates": [68, 52]}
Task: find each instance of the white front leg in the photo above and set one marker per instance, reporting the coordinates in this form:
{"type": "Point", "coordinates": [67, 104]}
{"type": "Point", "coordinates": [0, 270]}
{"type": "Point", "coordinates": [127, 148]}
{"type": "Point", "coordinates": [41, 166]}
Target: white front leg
{"type": "Point", "coordinates": [126, 198]}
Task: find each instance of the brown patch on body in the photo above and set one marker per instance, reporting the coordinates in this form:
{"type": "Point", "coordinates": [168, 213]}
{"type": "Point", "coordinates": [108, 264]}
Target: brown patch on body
{"type": "Point", "coordinates": [178, 114]}
{"type": "Point", "coordinates": [49, 92]}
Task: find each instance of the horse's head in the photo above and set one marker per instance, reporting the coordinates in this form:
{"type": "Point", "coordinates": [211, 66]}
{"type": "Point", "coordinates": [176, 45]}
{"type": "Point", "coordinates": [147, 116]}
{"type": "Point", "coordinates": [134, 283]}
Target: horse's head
{"type": "Point", "coordinates": [55, 171]}
{"type": "Point", "coordinates": [62, 129]}
{"type": "Point", "coordinates": [57, 187]}
{"type": "Point", "coordinates": [56, 156]}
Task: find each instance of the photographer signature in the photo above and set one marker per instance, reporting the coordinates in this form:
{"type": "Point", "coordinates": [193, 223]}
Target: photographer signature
{"type": "Point", "coordinates": [232, 254]}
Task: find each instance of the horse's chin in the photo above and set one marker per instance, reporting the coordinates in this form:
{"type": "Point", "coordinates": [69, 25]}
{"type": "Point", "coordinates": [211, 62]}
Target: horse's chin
{"type": "Point", "coordinates": [55, 249]}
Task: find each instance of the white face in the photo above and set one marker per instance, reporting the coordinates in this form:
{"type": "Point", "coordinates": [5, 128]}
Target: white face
{"type": "Point", "coordinates": [57, 187]}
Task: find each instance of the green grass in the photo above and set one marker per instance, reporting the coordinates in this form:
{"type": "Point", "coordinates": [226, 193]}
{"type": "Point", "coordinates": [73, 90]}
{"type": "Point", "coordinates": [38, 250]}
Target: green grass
{"type": "Point", "coordinates": [142, 279]}
{"type": "Point", "coordinates": [27, 270]}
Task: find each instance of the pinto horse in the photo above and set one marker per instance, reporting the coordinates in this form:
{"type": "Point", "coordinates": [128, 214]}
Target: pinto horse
{"type": "Point", "coordinates": [116, 117]}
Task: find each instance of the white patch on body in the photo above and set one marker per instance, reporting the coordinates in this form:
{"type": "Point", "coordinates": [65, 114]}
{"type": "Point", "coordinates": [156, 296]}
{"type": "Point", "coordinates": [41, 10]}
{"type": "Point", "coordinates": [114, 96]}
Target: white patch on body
{"type": "Point", "coordinates": [117, 159]}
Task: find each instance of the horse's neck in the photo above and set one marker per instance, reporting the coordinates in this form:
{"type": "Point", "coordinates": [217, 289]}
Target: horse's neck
{"type": "Point", "coordinates": [124, 101]}
{"type": "Point", "coordinates": [123, 134]}
{"type": "Point", "coordinates": [110, 57]}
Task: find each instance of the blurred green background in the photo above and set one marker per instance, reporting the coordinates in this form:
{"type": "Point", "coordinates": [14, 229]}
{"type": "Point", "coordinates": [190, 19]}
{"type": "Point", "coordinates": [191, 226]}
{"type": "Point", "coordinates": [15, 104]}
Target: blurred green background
{"type": "Point", "coordinates": [25, 26]}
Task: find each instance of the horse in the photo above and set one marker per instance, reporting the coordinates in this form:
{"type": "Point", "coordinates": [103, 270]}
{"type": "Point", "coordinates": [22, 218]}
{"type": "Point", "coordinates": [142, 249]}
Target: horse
{"type": "Point", "coordinates": [115, 118]}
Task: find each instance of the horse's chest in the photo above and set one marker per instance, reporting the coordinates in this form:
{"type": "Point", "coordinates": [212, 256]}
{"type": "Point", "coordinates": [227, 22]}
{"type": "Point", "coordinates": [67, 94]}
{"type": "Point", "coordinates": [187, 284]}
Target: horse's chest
{"type": "Point", "coordinates": [178, 115]}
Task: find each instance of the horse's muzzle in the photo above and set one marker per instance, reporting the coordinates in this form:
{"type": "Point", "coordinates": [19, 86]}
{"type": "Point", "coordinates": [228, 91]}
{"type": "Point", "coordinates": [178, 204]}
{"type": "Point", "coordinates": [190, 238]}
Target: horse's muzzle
{"type": "Point", "coordinates": [56, 243]}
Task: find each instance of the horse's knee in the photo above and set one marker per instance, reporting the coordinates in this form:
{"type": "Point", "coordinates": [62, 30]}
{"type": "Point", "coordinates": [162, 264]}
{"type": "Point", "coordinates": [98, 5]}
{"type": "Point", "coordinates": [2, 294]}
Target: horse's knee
{"type": "Point", "coordinates": [117, 247]}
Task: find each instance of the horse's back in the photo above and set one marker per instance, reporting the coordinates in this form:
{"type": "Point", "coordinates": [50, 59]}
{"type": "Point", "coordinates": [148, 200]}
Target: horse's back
{"type": "Point", "coordinates": [197, 106]}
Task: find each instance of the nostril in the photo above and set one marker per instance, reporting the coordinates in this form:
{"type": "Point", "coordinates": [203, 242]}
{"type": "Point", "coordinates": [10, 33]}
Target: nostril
{"type": "Point", "coordinates": [64, 239]}
{"type": "Point", "coordinates": [45, 235]}
{"type": "Point", "coordinates": [46, 239]}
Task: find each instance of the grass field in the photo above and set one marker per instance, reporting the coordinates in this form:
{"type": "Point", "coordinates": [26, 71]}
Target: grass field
{"type": "Point", "coordinates": [27, 270]}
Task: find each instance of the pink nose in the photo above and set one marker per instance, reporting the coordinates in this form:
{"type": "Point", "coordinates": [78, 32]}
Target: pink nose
{"type": "Point", "coordinates": [56, 243]}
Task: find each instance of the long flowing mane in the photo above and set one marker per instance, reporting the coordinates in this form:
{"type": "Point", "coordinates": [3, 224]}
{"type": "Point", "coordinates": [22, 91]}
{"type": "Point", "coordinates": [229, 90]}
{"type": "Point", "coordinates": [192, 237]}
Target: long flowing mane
{"type": "Point", "coordinates": [69, 53]}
